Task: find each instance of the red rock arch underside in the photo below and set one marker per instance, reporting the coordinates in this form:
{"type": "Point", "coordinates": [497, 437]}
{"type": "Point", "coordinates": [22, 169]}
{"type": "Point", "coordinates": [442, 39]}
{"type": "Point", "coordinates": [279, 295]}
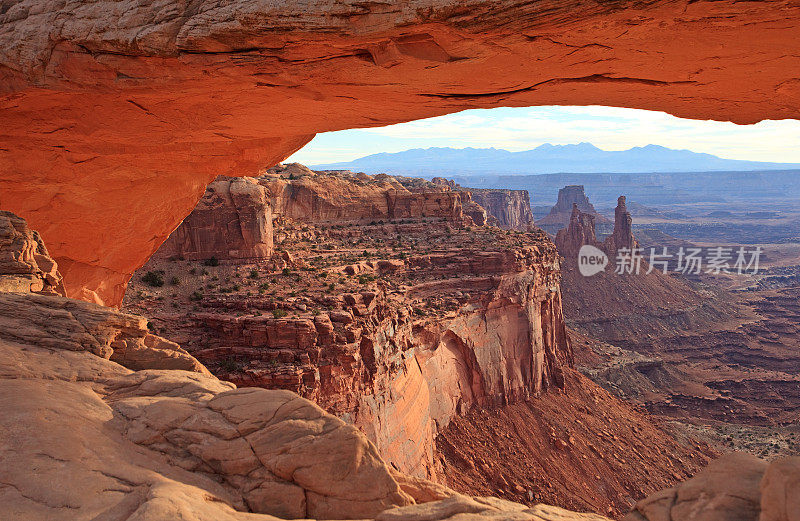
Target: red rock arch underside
{"type": "Point", "coordinates": [115, 115]}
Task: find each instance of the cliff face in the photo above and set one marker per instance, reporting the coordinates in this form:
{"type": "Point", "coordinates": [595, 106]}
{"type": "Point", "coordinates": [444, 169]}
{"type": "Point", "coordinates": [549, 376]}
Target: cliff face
{"type": "Point", "coordinates": [388, 363]}
{"type": "Point", "coordinates": [298, 193]}
{"type": "Point", "coordinates": [233, 220]}
{"type": "Point", "coordinates": [511, 208]}
{"type": "Point", "coordinates": [182, 95]}
{"type": "Point", "coordinates": [399, 318]}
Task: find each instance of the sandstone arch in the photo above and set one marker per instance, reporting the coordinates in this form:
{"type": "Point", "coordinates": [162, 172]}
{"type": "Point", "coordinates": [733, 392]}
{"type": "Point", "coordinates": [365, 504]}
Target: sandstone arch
{"type": "Point", "coordinates": [117, 114]}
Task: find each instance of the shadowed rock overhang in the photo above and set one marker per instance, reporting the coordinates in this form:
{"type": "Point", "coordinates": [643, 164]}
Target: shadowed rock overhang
{"type": "Point", "coordinates": [117, 114]}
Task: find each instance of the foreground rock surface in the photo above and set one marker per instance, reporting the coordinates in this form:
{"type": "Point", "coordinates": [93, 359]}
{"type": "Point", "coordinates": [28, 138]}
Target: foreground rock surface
{"type": "Point", "coordinates": [83, 436]}
{"type": "Point", "coordinates": [736, 487]}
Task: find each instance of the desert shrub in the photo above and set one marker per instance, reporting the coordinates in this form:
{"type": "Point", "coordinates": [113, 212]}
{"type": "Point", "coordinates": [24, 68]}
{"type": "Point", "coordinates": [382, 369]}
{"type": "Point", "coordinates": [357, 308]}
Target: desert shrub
{"type": "Point", "coordinates": [254, 274]}
{"type": "Point", "coordinates": [230, 365]}
{"type": "Point", "coordinates": [213, 261]}
{"type": "Point", "coordinates": [196, 296]}
{"type": "Point", "coordinates": [153, 278]}
{"type": "Point", "coordinates": [279, 313]}
{"type": "Point", "coordinates": [175, 281]}
{"type": "Point", "coordinates": [286, 272]}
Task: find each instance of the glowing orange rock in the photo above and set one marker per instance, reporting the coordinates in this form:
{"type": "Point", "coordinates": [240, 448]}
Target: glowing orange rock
{"type": "Point", "coordinates": [116, 115]}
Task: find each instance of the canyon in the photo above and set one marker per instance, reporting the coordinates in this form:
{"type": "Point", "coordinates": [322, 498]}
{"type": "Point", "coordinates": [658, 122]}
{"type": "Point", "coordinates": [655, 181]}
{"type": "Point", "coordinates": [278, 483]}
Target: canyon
{"type": "Point", "coordinates": [117, 421]}
{"type": "Point", "coordinates": [718, 362]}
{"type": "Point", "coordinates": [388, 288]}
{"type": "Point", "coordinates": [406, 325]}
{"type": "Point", "coordinates": [333, 345]}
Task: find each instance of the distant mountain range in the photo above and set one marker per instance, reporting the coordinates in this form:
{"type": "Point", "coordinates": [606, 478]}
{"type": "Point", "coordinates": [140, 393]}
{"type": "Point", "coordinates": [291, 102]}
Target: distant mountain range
{"type": "Point", "coordinates": [546, 159]}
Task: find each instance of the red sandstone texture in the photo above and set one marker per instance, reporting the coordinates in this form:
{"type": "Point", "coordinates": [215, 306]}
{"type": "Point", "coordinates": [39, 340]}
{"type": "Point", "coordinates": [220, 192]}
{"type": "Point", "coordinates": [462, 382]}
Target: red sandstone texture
{"type": "Point", "coordinates": [394, 312]}
{"type": "Point", "coordinates": [233, 220]}
{"type": "Point", "coordinates": [117, 115]}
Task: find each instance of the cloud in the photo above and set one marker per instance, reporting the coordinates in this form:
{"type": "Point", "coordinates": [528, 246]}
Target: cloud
{"type": "Point", "coordinates": [609, 128]}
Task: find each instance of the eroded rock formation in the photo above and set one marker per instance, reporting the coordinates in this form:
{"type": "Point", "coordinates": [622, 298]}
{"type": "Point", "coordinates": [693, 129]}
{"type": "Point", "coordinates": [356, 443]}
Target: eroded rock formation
{"type": "Point", "coordinates": [182, 95]}
{"type": "Point", "coordinates": [511, 208]}
{"type": "Point", "coordinates": [88, 431]}
{"type": "Point", "coordinates": [233, 220]}
{"type": "Point", "coordinates": [402, 315]}
{"type": "Point", "coordinates": [581, 231]}
{"type": "Point", "coordinates": [25, 264]}
{"type": "Point", "coordinates": [622, 236]}
{"type": "Point", "coordinates": [561, 214]}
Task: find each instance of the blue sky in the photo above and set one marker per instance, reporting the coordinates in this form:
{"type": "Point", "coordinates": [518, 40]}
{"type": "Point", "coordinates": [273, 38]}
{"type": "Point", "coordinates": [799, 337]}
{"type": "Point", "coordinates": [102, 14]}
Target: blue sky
{"type": "Point", "coordinates": [515, 129]}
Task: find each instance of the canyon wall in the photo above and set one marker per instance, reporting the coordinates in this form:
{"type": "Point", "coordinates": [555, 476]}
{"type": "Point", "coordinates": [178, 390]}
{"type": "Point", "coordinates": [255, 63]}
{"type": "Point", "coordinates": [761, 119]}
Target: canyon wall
{"type": "Point", "coordinates": [511, 208]}
{"type": "Point", "coordinates": [373, 360]}
{"type": "Point", "coordinates": [179, 96]}
{"type": "Point", "coordinates": [298, 193]}
{"type": "Point", "coordinates": [396, 317]}
{"type": "Point", "coordinates": [233, 220]}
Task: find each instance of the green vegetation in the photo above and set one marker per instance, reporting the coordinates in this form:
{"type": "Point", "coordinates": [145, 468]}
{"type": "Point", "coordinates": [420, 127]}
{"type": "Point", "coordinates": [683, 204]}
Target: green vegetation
{"type": "Point", "coordinates": [153, 278]}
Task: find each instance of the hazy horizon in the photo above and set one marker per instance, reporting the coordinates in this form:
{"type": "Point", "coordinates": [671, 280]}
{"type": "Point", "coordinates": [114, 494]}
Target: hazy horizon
{"type": "Point", "coordinates": [520, 129]}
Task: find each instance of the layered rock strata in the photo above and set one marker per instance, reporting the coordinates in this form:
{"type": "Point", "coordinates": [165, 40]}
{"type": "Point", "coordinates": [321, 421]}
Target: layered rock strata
{"type": "Point", "coordinates": [89, 432]}
{"type": "Point", "coordinates": [303, 195]}
{"type": "Point", "coordinates": [25, 264]}
{"type": "Point", "coordinates": [401, 345]}
{"type": "Point", "coordinates": [511, 208]}
{"type": "Point", "coordinates": [500, 207]}
{"type": "Point", "coordinates": [233, 220]}
{"type": "Point", "coordinates": [394, 316]}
